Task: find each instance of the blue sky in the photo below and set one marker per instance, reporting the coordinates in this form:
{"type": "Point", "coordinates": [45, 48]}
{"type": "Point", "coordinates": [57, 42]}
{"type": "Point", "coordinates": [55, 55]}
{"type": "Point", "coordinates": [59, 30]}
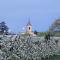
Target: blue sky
{"type": "Point", "coordinates": [42, 13]}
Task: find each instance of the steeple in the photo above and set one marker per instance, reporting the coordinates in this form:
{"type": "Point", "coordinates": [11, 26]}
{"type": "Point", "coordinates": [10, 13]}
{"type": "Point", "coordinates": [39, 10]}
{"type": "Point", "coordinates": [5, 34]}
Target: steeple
{"type": "Point", "coordinates": [29, 23]}
{"type": "Point", "coordinates": [29, 27]}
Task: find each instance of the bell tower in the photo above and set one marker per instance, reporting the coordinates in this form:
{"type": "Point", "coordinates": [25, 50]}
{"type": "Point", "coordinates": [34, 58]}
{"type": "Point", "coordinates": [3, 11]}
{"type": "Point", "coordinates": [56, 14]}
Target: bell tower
{"type": "Point", "coordinates": [29, 29]}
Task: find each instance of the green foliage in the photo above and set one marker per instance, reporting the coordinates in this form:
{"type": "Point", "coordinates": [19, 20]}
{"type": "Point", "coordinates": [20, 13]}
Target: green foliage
{"type": "Point", "coordinates": [3, 28]}
{"type": "Point", "coordinates": [35, 32]}
{"type": "Point", "coordinates": [41, 34]}
{"type": "Point", "coordinates": [55, 57]}
{"type": "Point", "coordinates": [57, 34]}
{"type": "Point", "coordinates": [25, 34]}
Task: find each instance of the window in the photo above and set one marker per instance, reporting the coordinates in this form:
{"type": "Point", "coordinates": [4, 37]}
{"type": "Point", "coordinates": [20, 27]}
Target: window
{"type": "Point", "coordinates": [29, 28]}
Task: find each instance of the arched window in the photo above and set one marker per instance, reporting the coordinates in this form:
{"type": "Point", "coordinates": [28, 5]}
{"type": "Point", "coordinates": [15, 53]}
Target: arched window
{"type": "Point", "coordinates": [29, 28]}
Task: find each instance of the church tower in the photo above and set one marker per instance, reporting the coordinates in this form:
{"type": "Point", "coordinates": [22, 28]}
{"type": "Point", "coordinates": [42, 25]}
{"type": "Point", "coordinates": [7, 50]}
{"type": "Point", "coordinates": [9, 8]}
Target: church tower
{"type": "Point", "coordinates": [29, 27]}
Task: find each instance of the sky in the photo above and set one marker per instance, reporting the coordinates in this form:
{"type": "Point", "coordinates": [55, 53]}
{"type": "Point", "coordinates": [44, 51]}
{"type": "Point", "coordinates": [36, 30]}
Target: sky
{"type": "Point", "coordinates": [42, 13]}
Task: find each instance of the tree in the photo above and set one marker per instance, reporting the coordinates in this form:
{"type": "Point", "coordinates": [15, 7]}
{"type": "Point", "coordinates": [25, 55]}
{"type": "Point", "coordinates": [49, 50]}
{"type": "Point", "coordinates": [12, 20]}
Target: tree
{"type": "Point", "coordinates": [35, 32]}
{"type": "Point", "coordinates": [47, 36]}
{"type": "Point", "coordinates": [3, 28]}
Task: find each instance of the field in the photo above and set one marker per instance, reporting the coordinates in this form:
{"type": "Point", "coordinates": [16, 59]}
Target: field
{"type": "Point", "coordinates": [57, 34]}
{"type": "Point", "coordinates": [56, 57]}
{"type": "Point", "coordinates": [18, 47]}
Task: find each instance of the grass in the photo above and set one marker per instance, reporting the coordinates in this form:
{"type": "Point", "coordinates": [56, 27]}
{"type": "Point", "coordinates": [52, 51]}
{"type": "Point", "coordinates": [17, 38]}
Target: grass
{"type": "Point", "coordinates": [57, 34]}
{"type": "Point", "coordinates": [55, 57]}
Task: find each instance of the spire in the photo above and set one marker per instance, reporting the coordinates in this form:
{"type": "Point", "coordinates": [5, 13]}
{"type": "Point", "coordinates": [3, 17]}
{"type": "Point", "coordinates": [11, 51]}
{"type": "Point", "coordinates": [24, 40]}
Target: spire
{"type": "Point", "coordinates": [29, 22]}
